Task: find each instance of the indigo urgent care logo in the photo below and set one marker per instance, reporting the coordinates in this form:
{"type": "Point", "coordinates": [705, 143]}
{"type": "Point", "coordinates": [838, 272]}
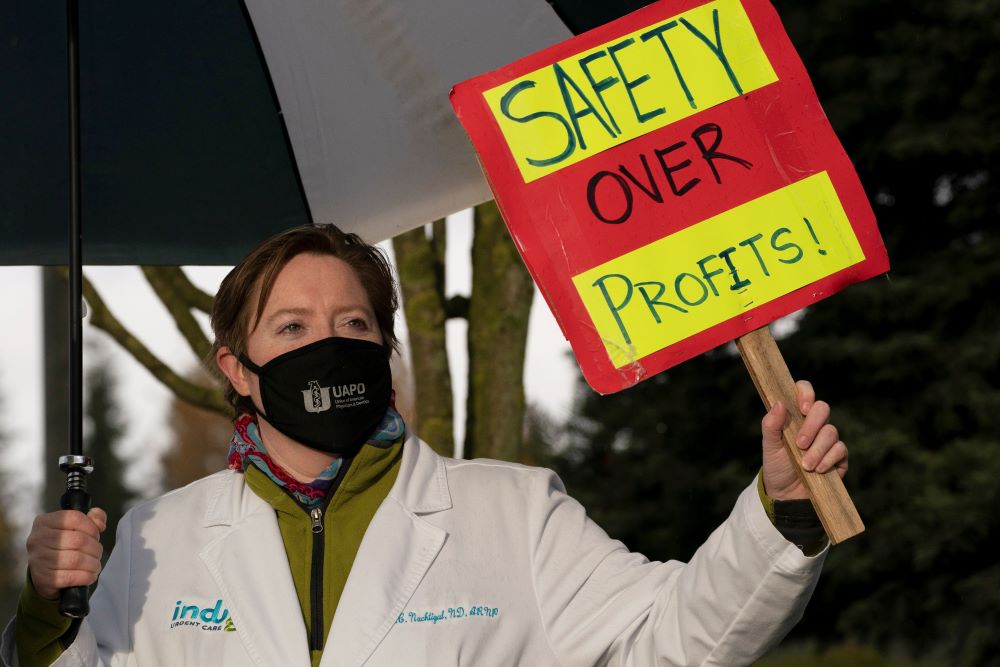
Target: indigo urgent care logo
{"type": "Point", "coordinates": [210, 619]}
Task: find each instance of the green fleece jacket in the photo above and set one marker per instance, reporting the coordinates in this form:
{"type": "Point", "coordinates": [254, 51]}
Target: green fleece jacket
{"type": "Point", "coordinates": [342, 525]}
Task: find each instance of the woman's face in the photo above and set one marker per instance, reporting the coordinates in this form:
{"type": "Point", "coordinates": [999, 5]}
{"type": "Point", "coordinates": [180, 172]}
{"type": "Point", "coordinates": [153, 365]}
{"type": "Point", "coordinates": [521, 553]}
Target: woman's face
{"type": "Point", "coordinates": [314, 297]}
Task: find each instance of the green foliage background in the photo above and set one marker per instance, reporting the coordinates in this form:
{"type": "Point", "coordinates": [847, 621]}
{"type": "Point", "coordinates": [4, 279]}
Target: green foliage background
{"type": "Point", "coordinates": [910, 362]}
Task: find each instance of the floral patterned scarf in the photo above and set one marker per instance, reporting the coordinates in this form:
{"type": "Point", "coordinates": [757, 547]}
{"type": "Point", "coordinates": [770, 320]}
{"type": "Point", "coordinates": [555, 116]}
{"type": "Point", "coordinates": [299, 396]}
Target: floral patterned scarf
{"type": "Point", "coordinates": [247, 448]}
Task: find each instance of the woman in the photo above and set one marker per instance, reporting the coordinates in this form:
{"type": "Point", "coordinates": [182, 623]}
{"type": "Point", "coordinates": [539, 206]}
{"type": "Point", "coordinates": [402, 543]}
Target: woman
{"type": "Point", "coordinates": [336, 536]}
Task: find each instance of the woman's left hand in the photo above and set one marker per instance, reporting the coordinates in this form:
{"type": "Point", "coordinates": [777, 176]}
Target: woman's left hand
{"type": "Point", "coordinates": [822, 448]}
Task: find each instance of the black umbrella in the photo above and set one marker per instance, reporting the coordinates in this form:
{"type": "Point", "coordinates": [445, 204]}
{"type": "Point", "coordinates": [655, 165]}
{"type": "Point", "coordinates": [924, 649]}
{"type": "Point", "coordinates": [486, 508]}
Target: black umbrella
{"type": "Point", "coordinates": [197, 128]}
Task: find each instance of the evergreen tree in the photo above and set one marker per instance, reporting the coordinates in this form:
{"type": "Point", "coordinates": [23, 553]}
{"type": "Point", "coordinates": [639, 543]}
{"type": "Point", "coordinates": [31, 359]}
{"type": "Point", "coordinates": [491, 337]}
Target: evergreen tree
{"type": "Point", "coordinates": [910, 363]}
{"type": "Point", "coordinates": [11, 572]}
{"type": "Point", "coordinates": [658, 465]}
{"type": "Point", "coordinates": [104, 430]}
{"type": "Point", "coordinates": [913, 364]}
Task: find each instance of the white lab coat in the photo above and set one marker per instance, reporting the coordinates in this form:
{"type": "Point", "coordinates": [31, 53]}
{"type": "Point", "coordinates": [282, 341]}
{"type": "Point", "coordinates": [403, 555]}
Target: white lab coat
{"type": "Point", "coordinates": [465, 563]}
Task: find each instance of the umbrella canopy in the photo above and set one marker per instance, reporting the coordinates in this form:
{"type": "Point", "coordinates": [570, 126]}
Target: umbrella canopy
{"type": "Point", "coordinates": [206, 126]}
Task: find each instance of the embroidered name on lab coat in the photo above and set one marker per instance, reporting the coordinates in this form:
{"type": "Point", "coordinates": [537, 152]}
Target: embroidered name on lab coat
{"type": "Point", "coordinates": [449, 615]}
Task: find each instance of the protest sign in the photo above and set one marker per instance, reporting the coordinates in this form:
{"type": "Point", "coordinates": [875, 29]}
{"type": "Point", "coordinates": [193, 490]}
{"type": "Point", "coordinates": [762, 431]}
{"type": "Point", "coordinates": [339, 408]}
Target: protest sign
{"type": "Point", "coordinates": [672, 184]}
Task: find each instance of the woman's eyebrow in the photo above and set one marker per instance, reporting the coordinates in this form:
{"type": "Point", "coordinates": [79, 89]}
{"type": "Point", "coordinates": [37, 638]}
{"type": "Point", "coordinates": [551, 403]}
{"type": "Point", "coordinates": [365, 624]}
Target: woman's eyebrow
{"type": "Point", "coordinates": [284, 312]}
{"type": "Point", "coordinates": [301, 311]}
{"type": "Point", "coordinates": [357, 308]}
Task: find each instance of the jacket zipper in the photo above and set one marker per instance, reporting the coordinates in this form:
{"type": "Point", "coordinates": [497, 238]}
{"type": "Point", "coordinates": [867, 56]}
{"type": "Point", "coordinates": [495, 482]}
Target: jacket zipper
{"type": "Point", "coordinates": [316, 581]}
{"type": "Point", "coordinates": [316, 625]}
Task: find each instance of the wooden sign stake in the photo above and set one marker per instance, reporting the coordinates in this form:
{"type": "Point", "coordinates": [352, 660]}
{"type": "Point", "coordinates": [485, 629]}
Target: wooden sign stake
{"type": "Point", "coordinates": [774, 383]}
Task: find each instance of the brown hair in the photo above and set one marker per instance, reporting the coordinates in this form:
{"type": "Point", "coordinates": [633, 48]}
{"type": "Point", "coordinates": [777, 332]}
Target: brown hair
{"type": "Point", "coordinates": [232, 316]}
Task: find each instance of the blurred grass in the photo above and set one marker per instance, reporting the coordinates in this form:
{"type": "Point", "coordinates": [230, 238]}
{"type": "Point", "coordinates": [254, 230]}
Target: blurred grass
{"type": "Point", "coordinates": [845, 655]}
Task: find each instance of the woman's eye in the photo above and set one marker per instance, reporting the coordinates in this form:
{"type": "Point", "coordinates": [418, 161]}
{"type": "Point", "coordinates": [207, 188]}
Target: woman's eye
{"type": "Point", "coordinates": [291, 327]}
{"type": "Point", "coordinates": [357, 323]}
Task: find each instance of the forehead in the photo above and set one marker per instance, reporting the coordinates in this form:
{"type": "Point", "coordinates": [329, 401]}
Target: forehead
{"type": "Point", "coordinates": [317, 274]}
{"type": "Point", "coordinates": [315, 281]}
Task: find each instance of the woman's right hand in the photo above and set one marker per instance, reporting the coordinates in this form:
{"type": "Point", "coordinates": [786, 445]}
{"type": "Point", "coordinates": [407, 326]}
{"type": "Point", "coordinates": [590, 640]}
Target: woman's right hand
{"type": "Point", "coordinates": [64, 550]}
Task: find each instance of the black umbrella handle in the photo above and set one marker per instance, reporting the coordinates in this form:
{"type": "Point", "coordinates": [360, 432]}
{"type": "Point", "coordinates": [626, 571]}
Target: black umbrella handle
{"type": "Point", "coordinates": [74, 602]}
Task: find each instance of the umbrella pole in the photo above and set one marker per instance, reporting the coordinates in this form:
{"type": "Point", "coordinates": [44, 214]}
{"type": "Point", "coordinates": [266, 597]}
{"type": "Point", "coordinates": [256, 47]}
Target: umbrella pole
{"type": "Point", "coordinates": [74, 602]}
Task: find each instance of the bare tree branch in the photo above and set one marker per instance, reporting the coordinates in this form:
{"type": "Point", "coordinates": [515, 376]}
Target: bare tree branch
{"type": "Point", "coordinates": [192, 295]}
{"type": "Point", "coordinates": [164, 281]}
{"type": "Point", "coordinates": [209, 398]}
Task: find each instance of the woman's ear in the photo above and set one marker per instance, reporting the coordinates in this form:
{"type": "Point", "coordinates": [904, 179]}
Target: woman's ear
{"type": "Point", "coordinates": [233, 369]}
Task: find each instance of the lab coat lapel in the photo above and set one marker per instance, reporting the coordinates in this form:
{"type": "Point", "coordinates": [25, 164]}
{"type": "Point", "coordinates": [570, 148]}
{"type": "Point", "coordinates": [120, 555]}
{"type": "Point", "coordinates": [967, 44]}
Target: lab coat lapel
{"type": "Point", "coordinates": [395, 554]}
{"type": "Point", "coordinates": [249, 565]}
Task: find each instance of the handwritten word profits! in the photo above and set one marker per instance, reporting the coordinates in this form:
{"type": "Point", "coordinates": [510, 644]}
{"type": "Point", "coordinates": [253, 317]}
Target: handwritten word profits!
{"type": "Point", "coordinates": [723, 267]}
{"type": "Point", "coordinates": [725, 274]}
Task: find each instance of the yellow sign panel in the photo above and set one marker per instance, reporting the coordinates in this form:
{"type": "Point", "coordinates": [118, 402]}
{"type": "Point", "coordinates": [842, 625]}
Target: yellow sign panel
{"type": "Point", "coordinates": [600, 98]}
{"type": "Point", "coordinates": [673, 288]}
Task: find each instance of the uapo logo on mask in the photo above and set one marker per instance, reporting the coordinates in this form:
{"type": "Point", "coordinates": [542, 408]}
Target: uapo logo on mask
{"type": "Point", "coordinates": [317, 398]}
{"type": "Point", "coordinates": [211, 619]}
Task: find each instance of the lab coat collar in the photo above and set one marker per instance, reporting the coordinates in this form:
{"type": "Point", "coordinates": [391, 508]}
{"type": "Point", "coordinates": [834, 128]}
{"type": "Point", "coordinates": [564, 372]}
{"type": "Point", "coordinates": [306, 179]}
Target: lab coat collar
{"type": "Point", "coordinates": [249, 566]}
{"type": "Point", "coordinates": [422, 484]}
{"type": "Point", "coordinates": [421, 487]}
{"type": "Point", "coordinates": [397, 550]}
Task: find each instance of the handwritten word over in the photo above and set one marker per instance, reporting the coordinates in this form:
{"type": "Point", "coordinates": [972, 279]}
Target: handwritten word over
{"type": "Point", "coordinates": [610, 194]}
{"type": "Point", "coordinates": [720, 268]}
{"type": "Point", "coordinates": [639, 82]}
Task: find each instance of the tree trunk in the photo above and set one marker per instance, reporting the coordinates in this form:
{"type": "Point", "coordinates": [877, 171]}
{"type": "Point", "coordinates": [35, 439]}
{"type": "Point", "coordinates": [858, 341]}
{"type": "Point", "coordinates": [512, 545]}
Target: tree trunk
{"type": "Point", "coordinates": [498, 330]}
{"type": "Point", "coordinates": [420, 262]}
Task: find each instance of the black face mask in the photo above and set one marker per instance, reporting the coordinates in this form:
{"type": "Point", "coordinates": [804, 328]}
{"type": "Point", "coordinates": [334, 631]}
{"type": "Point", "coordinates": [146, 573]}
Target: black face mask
{"type": "Point", "coordinates": [329, 395]}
